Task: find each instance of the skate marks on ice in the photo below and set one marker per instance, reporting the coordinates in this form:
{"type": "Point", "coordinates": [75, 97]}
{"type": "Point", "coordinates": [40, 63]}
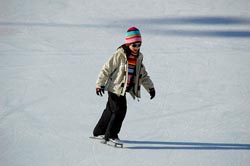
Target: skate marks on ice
{"type": "Point", "coordinates": [161, 145]}
{"type": "Point", "coordinates": [226, 22]}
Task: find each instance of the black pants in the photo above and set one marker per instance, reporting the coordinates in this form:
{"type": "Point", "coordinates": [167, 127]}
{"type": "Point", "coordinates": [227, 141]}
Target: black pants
{"type": "Point", "coordinates": [112, 117]}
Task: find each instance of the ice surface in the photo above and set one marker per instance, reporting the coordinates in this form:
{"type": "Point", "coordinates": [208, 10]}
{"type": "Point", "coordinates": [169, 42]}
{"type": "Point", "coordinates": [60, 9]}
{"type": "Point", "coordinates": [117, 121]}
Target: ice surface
{"type": "Point", "coordinates": [196, 52]}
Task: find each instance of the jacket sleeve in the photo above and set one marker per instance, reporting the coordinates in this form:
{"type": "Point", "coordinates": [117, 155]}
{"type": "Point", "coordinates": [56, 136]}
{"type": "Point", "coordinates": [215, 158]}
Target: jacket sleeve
{"type": "Point", "coordinates": [145, 79]}
{"type": "Point", "coordinates": [108, 68]}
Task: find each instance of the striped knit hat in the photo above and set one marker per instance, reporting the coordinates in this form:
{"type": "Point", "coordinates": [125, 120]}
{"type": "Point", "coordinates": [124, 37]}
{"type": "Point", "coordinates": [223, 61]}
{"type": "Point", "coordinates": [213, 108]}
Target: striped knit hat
{"type": "Point", "coordinates": [133, 35]}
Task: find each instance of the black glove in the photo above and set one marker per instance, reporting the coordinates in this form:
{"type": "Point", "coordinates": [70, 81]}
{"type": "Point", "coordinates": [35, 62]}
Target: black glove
{"type": "Point", "coordinates": [152, 93]}
{"type": "Point", "coordinates": [100, 91]}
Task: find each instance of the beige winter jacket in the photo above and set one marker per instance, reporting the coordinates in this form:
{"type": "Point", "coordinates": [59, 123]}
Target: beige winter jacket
{"type": "Point", "coordinates": [114, 75]}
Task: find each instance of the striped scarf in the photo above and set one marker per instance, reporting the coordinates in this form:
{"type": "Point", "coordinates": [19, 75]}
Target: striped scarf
{"type": "Point", "coordinates": [132, 59]}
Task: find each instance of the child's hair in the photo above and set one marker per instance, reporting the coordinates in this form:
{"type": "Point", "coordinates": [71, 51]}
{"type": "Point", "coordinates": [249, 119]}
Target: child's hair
{"type": "Point", "coordinates": [126, 48]}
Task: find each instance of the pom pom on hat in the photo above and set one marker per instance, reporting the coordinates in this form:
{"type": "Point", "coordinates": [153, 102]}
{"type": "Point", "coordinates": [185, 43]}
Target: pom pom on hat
{"type": "Point", "coordinates": [133, 35]}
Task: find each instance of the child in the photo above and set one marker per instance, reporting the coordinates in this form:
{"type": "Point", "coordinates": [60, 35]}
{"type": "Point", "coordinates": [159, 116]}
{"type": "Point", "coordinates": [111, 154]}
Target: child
{"type": "Point", "coordinates": [123, 72]}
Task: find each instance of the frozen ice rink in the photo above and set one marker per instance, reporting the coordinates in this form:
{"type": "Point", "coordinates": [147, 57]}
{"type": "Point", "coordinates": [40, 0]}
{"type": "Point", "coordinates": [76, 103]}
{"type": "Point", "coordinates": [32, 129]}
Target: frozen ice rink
{"type": "Point", "coordinates": [196, 52]}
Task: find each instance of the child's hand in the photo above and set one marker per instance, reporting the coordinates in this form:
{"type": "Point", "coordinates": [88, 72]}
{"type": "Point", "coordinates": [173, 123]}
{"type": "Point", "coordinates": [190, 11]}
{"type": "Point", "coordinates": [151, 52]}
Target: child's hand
{"type": "Point", "coordinates": [100, 91]}
{"type": "Point", "coordinates": [152, 93]}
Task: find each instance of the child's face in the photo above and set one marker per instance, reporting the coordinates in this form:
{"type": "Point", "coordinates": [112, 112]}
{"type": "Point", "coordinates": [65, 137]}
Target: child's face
{"type": "Point", "coordinates": [135, 47]}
